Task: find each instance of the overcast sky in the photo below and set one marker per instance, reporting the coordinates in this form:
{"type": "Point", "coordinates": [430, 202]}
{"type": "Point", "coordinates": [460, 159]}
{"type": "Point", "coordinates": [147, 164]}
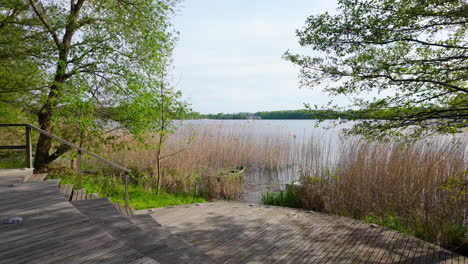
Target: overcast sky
{"type": "Point", "coordinates": [229, 56]}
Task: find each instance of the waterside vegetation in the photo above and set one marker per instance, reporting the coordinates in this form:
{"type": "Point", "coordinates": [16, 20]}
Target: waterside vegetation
{"type": "Point", "coordinates": [420, 189]}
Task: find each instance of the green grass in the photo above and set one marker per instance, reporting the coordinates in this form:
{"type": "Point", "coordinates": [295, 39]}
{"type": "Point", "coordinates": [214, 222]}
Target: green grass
{"type": "Point", "coordinates": [289, 198]}
{"type": "Point", "coordinates": [140, 198]}
{"type": "Point", "coordinates": [12, 159]}
{"type": "Point", "coordinates": [391, 221]}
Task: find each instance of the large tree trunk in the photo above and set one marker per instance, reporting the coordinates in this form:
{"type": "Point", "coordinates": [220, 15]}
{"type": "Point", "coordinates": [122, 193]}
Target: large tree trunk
{"type": "Point", "coordinates": [44, 144]}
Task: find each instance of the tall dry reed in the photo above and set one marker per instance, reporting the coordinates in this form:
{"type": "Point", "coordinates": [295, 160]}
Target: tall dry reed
{"type": "Point", "coordinates": [195, 154]}
{"type": "Point", "coordinates": [422, 186]}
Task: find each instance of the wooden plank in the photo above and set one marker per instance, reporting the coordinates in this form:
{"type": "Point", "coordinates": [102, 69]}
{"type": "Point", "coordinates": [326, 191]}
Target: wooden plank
{"type": "Point", "coordinates": [13, 147]}
{"type": "Point", "coordinates": [54, 230]}
{"type": "Point", "coordinates": [37, 177]}
{"type": "Point", "coordinates": [83, 194]}
{"type": "Point", "coordinates": [119, 207]}
{"type": "Point", "coordinates": [29, 158]}
{"type": "Point", "coordinates": [75, 195]}
{"type": "Point", "coordinates": [79, 195]}
{"type": "Point", "coordinates": [69, 191]}
{"type": "Point", "coordinates": [128, 211]}
{"type": "Point", "coordinates": [132, 211]}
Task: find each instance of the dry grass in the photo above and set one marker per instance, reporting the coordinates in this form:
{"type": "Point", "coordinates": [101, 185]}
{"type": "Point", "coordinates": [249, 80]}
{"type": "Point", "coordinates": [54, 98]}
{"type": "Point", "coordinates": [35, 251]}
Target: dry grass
{"type": "Point", "coordinates": [416, 188]}
{"type": "Point", "coordinates": [420, 188]}
{"type": "Point", "coordinates": [202, 151]}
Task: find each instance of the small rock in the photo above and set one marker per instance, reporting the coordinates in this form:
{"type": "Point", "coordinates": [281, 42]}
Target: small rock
{"type": "Point", "coordinates": [251, 204]}
{"type": "Point", "coordinates": [198, 204]}
{"type": "Point", "coordinates": [311, 212]}
{"type": "Point", "coordinates": [150, 210]}
{"type": "Point", "coordinates": [13, 220]}
{"type": "Point", "coordinates": [373, 225]}
{"type": "Point", "coordinates": [446, 252]}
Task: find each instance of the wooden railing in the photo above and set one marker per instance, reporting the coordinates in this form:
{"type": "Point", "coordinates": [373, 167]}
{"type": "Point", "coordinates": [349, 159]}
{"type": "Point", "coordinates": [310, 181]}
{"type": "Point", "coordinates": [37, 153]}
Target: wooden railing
{"type": "Point", "coordinates": [29, 160]}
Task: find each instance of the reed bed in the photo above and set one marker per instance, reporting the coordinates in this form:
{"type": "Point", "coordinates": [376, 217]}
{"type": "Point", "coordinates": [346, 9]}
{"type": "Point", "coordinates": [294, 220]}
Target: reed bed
{"type": "Point", "coordinates": [196, 154]}
{"type": "Point", "coordinates": [419, 188]}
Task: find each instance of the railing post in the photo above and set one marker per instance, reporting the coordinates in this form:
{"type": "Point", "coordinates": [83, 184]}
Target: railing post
{"type": "Point", "coordinates": [78, 164]}
{"type": "Point", "coordinates": [29, 160]}
{"type": "Point", "coordinates": [127, 179]}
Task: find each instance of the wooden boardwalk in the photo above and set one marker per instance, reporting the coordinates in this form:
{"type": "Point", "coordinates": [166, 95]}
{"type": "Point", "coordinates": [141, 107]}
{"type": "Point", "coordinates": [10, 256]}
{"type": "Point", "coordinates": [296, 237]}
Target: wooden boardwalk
{"type": "Point", "coordinates": [53, 230]}
{"type": "Point", "coordinates": [233, 232]}
{"type": "Point", "coordinates": [56, 230]}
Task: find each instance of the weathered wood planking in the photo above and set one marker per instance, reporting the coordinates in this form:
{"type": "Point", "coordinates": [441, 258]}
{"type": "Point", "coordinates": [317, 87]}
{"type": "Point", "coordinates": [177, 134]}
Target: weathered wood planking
{"type": "Point", "coordinates": [35, 177]}
{"type": "Point", "coordinates": [66, 190]}
{"type": "Point", "coordinates": [155, 243]}
{"type": "Point", "coordinates": [79, 195]}
{"type": "Point", "coordinates": [233, 232]}
{"type": "Point", "coordinates": [126, 211]}
{"type": "Point", "coordinates": [53, 230]}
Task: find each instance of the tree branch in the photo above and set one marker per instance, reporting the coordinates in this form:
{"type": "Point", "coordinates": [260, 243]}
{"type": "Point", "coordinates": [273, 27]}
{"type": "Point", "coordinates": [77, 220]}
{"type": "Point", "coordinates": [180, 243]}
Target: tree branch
{"type": "Point", "coordinates": [45, 23]}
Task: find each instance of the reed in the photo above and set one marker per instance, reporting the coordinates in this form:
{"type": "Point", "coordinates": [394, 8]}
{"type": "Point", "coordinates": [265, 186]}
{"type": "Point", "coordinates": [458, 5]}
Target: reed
{"type": "Point", "coordinates": [422, 186]}
{"type": "Point", "coordinates": [200, 153]}
{"type": "Point", "coordinates": [419, 188]}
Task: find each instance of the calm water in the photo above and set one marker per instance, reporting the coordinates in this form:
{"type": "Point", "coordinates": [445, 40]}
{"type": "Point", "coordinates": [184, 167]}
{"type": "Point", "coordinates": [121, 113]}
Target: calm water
{"type": "Point", "coordinates": [261, 180]}
{"type": "Point", "coordinates": [299, 132]}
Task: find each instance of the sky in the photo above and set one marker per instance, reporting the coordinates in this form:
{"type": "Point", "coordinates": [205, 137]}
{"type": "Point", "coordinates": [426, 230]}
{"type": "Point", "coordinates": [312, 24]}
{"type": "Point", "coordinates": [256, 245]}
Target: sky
{"type": "Point", "coordinates": [229, 55]}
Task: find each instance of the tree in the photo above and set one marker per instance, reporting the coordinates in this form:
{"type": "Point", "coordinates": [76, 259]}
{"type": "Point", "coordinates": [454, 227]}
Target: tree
{"type": "Point", "coordinates": [413, 53]}
{"type": "Point", "coordinates": [74, 64]}
{"type": "Point", "coordinates": [169, 108]}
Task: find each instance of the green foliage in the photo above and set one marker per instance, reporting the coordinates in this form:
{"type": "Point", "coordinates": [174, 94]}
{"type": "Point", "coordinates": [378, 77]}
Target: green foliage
{"type": "Point", "coordinates": [83, 68]}
{"type": "Point", "coordinates": [412, 53]}
{"type": "Point", "coordinates": [291, 197]}
{"type": "Point", "coordinates": [391, 221]}
{"type": "Point", "coordinates": [456, 187]}
{"type": "Point", "coordinates": [12, 159]}
{"type": "Point", "coordinates": [140, 198]}
{"type": "Point", "coordinates": [452, 233]}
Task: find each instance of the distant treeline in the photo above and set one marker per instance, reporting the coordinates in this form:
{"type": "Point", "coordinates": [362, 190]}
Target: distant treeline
{"type": "Point", "coordinates": [283, 114]}
{"type": "Point", "coordinates": [387, 114]}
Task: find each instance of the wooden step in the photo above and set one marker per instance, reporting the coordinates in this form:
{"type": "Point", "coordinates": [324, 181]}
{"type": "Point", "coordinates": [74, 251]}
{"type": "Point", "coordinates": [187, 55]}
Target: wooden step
{"type": "Point", "coordinates": [54, 231]}
{"type": "Point", "coordinates": [35, 177]}
{"type": "Point", "coordinates": [174, 244]}
{"type": "Point", "coordinates": [124, 210]}
{"type": "Point", "coordinates": [79, 195]}
{"type": "Point", "coordinates": [66, 190]}
{"type": "Point", "coordinates": [91, 196]}
{"type": "Point", "coordinates": [158, 244]}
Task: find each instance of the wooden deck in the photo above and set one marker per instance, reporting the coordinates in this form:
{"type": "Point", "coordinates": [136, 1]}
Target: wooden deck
{"type": "Point", "coordinates": [53, 230]}
{"type": "Point", "coordinates": [233, 232]}
{"type": "Point", "coordinates": [56, 230]}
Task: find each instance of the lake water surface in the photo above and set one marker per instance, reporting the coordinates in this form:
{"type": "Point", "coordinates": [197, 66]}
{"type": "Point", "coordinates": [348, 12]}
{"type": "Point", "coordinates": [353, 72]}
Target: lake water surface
{"type": "Point", "coordinates": [261, 180]}
{"type": "Point", "coordinates": [302, 134]}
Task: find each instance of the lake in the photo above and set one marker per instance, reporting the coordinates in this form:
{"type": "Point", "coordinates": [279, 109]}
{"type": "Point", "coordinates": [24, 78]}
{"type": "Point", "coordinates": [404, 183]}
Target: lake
{"type": "Point", "coordinates": [308, 144]}
{"type": "Point", "coordinates": [259, 180]}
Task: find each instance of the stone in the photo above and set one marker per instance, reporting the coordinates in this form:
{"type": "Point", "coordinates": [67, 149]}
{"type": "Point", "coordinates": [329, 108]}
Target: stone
{"type": "Point", "coordinates": [373, 225]}
{"type": "Point", "coordinates": [13, 220]}
{"type": "Point", "coordinates": [447, 252]}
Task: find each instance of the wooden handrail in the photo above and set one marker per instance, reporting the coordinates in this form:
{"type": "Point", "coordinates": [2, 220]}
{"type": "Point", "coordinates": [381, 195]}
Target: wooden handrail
{"type": "Point", "coordinates": [63, 141]}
